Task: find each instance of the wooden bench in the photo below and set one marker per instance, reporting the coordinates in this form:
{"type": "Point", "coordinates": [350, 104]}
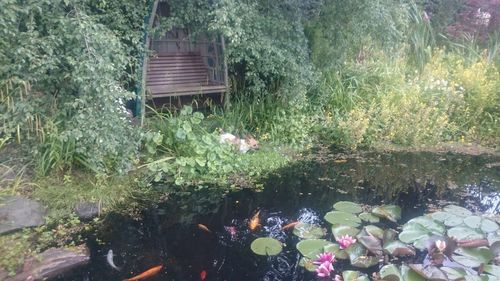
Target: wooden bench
{"type": "Point", "coordinates": [179, 74]}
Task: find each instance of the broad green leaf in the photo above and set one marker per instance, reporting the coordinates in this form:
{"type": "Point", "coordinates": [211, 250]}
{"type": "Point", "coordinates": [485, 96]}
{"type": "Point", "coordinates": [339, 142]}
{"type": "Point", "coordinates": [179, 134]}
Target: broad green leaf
{"type": "Point", "coordinates": [390, 272]}
{"type": "Point", "coordinates": [334, 248]}
{"type": "Point", "coordinates": [398, 248]}
{"type": "Point", "coordinates": [464, 233]}
{"type": "Point", "coordinates": [390, 212]}
{"type": "Point", "coordinates": [350, 275]}
{"type": "Point", "coordinates": [454, 273]}
{"type": "Point", "coordinates": [311, 248]}
{"type": "Point", "coordinates": [375, 231]}
{"type": "Point", "coordinates": [308, 264]}
{"type": "Point", "coordinates": [266, 246]}
{"type": "Point", "coordinates": [429, 224]}
{"type": "Point", "coordinates": [369, 217]}
{"type": "Point", "coordinates": [492, 269]}
{"type": "Point", "coordinates": [473, 221]}
{"type": "Point", "coordinates": [457, 210]}
{"type": "Point", "coordinates": [489, 226]}
{"type": "Point", "coordinates": [308, 231]}
{"type": "Point", "coordinates": [341, 230]}
{"type": "Point", "coordinates": [348, 207]}
{"type": "Point", "coordinates": [342, 218]}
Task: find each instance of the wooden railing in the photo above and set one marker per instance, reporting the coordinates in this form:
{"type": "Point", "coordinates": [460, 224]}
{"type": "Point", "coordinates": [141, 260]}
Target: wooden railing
{"type": "Point", "coordinates": [214, 61]}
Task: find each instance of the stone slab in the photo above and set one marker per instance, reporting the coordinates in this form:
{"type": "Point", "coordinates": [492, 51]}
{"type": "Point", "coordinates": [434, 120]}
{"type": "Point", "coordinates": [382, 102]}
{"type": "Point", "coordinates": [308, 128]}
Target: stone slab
{"type": "Point", "coordinates": [17, 212]}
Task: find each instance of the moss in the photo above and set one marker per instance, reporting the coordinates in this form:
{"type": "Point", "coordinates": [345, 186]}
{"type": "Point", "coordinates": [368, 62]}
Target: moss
{"type": "Point", "coordinates": [14, 248]}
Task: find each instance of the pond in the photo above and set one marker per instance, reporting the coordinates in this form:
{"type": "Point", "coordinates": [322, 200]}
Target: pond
{"type": "Point", "coordinates": [205, 236]}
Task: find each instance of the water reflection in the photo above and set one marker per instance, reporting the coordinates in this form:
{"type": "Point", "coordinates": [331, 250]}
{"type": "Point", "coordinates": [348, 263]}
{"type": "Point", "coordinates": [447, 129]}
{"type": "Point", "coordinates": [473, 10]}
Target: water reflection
{"type": "Point", "coordinates": [305, 191]}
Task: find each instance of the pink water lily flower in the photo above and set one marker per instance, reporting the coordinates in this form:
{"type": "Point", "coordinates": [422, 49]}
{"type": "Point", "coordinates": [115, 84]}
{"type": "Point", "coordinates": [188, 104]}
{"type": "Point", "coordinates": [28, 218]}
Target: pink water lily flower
{"type": "Point", "coordinates": [337, 278]}
{"type": "Point", "coordinates": [324, 269]}
{"type": "Point", "coordinates": [325, 257]}
{"type": "Point", "coordinates": [346, 241]}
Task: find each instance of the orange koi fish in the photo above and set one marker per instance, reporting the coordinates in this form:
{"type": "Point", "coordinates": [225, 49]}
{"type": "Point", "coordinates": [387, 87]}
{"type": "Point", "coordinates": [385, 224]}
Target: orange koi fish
{"type": "Point", "coordinates": [203, 275]}
{"type": "Point", "coordinates": [146, 274]}
{"type": "Point", "coordinates": [254, 221]}
{"type": "Point", "coordinates": [204, 228]}
{"type": "Point", "coordinates": [290, 225]}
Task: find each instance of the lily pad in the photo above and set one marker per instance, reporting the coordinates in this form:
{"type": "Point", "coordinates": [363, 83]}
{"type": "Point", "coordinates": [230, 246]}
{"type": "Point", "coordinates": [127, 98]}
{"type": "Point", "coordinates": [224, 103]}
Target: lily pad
{"type": "Point", "coordinates": [350, 275]}
{"type": "Point", "coordinates": [311, 248]}
{"type": "Point", "coordinates": [431, 225]}
{"type": "Point", "coordinates": [489, 226]}
{"type": "Point", "coordinates": [440, 216]}
{"type": "Point", "coordinates": [492, 269]}
{"type": "Point", "coordinates": [266, 246]}
{"type": "Point", "coordinates": [342, 218]}
{"type": "Point", "coordinates": [372, 243]}
{"type": "Point", "coordinates": [429, 272]}
{"type": "Point", "coordinates": [334, 248]}
{"type": "Point", "coordinates": [390, 212]}
{"type": "Point", "coordinates": [348, 207]}
{"type": "Point", "coordinates": [464, 233]}
{"type": "Point", "coordinates": [390, 272]}
{"type": "Point", "coordinates": [365, 261]}
{"type": "Point", "coordinates": [457, 210]}
{"type": "Point", "coordinates": [454, 273]}
{"type": "Point", "coordinates": [390, 235]}
{"type": "Point", "coordinates": [308, 231]}
{"type": "Point", "coordinates": [413, 232]}
{"type": "Point", "coordinates": [473, 221]}
{"type": "Point", "coordinates": [356, 250]}
{"type": "Point", "coordinates": [375, 231]}
{"type": "Point", "coordinates": [398, 248]}
{"type": "Point", "coordinates": [341, 230]}
{"type": "Point", "coordinates": [369, 217]}
{"type": "Point", "coordinates": [308, 264]}
{"type": "Point", "coordinates": [447, 219]}
{"type": "Point", "coordinates": [479, 255]}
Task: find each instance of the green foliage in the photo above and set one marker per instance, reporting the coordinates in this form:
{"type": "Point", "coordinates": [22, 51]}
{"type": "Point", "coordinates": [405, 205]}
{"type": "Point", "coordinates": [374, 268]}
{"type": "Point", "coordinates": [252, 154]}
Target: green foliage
{"type": "Point", "coordinates": [62, 66]}
{"type": "Point", "coordinates": [188, 154]}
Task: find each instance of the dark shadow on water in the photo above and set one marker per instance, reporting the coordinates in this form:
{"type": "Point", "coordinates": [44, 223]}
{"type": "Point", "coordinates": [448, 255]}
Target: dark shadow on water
{"type": "Point", "coordinates": [169, 235]}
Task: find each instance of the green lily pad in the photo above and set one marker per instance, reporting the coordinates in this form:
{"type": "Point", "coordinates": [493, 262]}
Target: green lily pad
{"type": "Point", "coordinates": [308, 264]}
{"type": "Point", "coordinates": [473, 221]}
{"type": "Point", "coordinates": [413, 232]}
{"type": "Point", "coordinates": [457, 210]}
{"type": "Point", "coordinates": [341, 230]}
{"type": "Point", "coordinates": [390, 272]}
{"type": "Point", "coordinates": [372, 243]}
{"type": "Point", "coordinates": [390, 212]}
{"type": "Point", "coordinates": [492, 269]}
{"type": "Point", "coordinates": [453, 220]}
{"type": "Point", "coordinates": [350, 275]}
{"type": "Point", "coordinates": [308, 231]}
{"type": "Point", "coordinates": [464, 233]}
{"type": "Point", "coordinates": [481, 254]}
{"type": "Point", "coordinates": [356, 250]}
{"type": "Point", "coordinates": [375, 231]}
{"type": "Point", "coordinates": [266, 246]}
{"type": "Point", "coordinates": [334, 248]}
{"type": "Point", "coordinates": [369, 217]}
{"type": "Point", "coordinates": [454, 273]}
{"type": "Point", "coordinates": [398, 248]}
{"type": "Point", "coordinates": [421, 243]}
{"type": "Point", "coordinates": [311, 248]}
{"type": "Point", "coordinates": [440, 216]}
{"type": "Point", "coordinates": [429, 272]}
{"type": "Point", "coordinates": [429, 224]}
{"type": "Point", "coordinates": [410, 275]}
{"type": "Point", "coordinates": [390, 235]}
{"type": "Point", "coordinates": [365, 261]}
{"type": "Point", "coordinates": [489, 226]}
{"type": "Point", "coordinates": [342, 218]}
{"type": "Point", "coordinates": [348, 207]}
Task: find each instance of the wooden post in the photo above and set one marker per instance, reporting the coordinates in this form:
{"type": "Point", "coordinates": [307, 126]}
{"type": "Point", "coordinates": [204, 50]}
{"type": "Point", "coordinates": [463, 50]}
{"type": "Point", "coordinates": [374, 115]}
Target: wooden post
{"type": "Point", "coordinates": [146, 60]}
{"type": "Point", "coordinates": [226, 78]}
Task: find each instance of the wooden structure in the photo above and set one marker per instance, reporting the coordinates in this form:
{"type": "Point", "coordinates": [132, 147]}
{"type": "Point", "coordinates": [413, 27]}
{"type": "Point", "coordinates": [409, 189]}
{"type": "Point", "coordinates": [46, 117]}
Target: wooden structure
{"type": "Point", "coordinates": [179, 66]}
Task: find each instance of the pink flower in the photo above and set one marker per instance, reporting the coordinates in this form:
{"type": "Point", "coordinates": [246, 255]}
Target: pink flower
{"type": "Point", "coordinates": [346, 241]}
{"type": "Point", "coordinates": [325, 257]}
{"type": "Point", "coordinates": [324, 269]}
{"type": "Point", "coordinates": [337, 278]}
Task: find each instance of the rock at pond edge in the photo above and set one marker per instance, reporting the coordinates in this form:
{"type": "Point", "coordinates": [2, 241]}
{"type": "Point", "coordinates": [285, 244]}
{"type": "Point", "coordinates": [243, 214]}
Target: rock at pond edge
{"type": "Point", "coordinates": [17, 212]}
{"type": "Point", "coordinates": [52, 263]}
{"type": "Point", "coordinates": [87, 210]}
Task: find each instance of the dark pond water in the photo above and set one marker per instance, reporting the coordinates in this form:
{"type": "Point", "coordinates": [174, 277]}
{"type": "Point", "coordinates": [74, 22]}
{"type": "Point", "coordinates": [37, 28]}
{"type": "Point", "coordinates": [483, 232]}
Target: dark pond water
{"type": "Point", "coordinates": [305, 191]}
